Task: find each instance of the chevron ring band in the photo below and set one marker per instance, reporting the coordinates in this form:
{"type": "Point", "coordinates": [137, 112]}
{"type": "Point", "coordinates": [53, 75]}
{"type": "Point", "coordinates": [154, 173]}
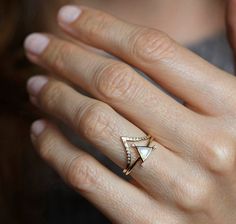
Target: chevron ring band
{"type": "Point", "coordinates": [143, 151]}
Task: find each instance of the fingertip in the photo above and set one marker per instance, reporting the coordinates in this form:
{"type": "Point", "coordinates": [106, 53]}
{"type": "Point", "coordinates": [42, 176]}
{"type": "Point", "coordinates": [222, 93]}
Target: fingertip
{"type": "Point", "coordinates": [35, 84]}
{"type": "Point", "coordinates": [68, 14]}
{"type": "Point", "coordinates": [36, 43]}
{"type": "Point", "coordinates": [38, 127]}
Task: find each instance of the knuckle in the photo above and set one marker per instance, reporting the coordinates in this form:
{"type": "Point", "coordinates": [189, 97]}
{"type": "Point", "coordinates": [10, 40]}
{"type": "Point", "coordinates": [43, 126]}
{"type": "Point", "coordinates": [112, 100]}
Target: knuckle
{"type": "Point", "coordinates": [93, 121]}
{"type": "Point", "coordinates": [51, 95]}
{"type": "Point", "coordinates": [194, 193]}
{"type": "Point", "coordinates": [150, 45]}
{"type": "Point", "coordinates": [59, 55]}
{"type": "Point", "coordinates": [81, 173]}
{"type": "Point", "coordinates": [100, 25]}
{"type": "Point", "coordinates": [115, 81]}
{"type": "Point", "coordinates": [220, 156]}
{"type": "Point", "coordinates": [46, 144]}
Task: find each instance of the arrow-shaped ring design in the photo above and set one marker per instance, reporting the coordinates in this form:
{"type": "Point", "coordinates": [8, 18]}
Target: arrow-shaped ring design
{"type": "Point", "coordinates": [143, 151]}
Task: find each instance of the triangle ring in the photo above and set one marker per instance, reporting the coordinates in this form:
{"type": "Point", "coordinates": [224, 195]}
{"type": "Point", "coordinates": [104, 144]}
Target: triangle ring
{"type": "Point", "coordinates": [143, 151]}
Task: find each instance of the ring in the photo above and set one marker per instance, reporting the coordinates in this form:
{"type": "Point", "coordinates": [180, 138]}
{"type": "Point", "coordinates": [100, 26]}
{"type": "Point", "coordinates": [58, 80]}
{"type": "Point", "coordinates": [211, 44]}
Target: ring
{"type": "Point", "coordinates": [143, 151]}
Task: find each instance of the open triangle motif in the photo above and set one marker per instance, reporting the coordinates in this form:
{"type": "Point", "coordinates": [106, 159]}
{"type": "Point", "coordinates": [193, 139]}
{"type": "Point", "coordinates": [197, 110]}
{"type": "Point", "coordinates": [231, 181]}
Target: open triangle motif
{"type": "Point", "coordinates": [144, 151]}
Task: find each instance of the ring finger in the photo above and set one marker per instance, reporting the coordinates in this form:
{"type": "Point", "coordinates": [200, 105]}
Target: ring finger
{"type": "Point", "coordinates": [120, 86]}
{"type": "Point", "coordinates": [117, 199]}
{"type": "Point", "coordinates": [103, 127]}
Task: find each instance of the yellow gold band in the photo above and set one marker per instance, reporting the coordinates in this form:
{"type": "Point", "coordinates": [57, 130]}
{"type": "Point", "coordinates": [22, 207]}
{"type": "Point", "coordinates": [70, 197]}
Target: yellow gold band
{"type": "Point", "coordinates": [143, 151]}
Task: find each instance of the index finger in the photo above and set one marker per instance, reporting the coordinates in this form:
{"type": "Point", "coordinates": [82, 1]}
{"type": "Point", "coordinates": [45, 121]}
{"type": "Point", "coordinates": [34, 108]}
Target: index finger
{"type": "Point", "coordinates": [178, 70]}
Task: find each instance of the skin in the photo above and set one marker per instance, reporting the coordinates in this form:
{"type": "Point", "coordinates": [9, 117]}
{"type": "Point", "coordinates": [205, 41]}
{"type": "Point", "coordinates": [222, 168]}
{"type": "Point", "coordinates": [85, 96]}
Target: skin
{"type": "Point", "coordinates": [190, 177]}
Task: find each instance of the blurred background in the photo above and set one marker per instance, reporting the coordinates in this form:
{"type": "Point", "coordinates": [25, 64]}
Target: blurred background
{"type": "Point", "coordinates": [30, 191]}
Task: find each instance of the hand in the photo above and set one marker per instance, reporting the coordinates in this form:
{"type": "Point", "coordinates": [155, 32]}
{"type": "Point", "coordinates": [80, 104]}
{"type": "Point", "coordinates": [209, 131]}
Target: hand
{"type": "Point", "coordinates": [190, 178]}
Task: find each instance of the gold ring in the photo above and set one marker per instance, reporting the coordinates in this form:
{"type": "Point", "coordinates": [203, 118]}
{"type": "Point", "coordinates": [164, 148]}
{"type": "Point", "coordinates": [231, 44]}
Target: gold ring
{"type": "Point", "coordinates": [143, 151]}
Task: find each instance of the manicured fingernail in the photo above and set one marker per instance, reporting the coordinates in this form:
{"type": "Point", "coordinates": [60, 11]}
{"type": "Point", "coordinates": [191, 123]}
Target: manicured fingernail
{"type": "Point", "coordinates": [36, 43]}
{"type": "Point", "coordinates": [35, 84]}
{"type": "Point", "coordinates": [38, 127]}
{"type": "Point", "coordinates": [68, 13]}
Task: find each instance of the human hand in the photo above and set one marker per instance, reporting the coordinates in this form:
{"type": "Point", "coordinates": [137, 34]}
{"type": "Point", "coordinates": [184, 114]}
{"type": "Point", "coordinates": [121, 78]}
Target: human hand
{"type": "Point", "coordinates": [190, 177]}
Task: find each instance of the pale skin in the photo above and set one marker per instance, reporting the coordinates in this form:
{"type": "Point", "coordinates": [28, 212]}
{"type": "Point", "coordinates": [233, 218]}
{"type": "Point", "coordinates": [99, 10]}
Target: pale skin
{"type": "Point", "coordinates": [190, 177]}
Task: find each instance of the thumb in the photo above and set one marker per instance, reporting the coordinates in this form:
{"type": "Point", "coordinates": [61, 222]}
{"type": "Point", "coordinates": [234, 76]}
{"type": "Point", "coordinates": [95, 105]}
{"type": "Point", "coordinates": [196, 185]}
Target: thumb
{"type": "Point", "coordinates": [231, 24]}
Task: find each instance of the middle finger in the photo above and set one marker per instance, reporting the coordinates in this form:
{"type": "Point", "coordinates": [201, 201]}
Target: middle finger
{"type": "Point", "coordinates": [117, 84]}
{"type": "Point", "coordinates": [103, 127]}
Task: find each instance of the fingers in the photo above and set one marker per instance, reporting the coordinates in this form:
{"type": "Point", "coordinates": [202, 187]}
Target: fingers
{"type": "Point", "coordinates": [186, 75]}
{"type": "Point", "coordinates": [103, 127]}
{"type": "Point", "coordinates": [120, 86]}
{"type": "Point", "coordinates": [117, 199]}
{"type": "Point", "coordinates": [93, 119]}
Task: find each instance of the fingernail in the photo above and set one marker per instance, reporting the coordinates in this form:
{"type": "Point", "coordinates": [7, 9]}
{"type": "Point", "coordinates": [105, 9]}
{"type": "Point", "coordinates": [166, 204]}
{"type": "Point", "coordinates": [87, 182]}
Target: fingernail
{"type": "Point", "coordinates": [36, 43]}
{"type": "Point", "coordinates": [68, 14]}
{"type": "Point", "coordinates": [35, 84]}
{"type": "Point", "coordinates": [38, 127]}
